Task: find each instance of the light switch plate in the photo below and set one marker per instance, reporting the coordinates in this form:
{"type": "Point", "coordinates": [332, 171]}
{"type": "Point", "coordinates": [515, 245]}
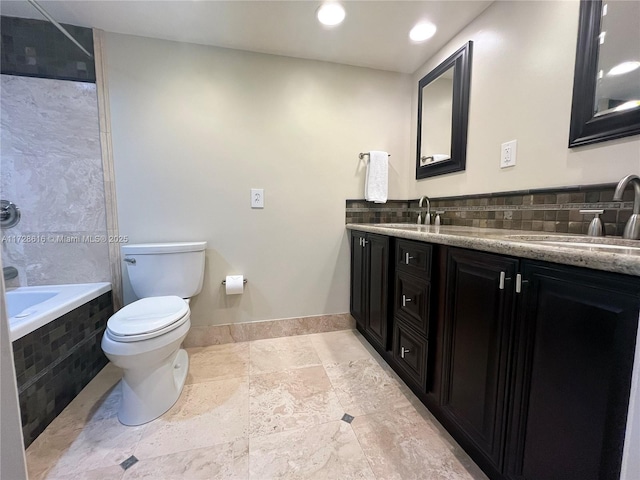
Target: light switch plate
{"type": "Point", "coordinates": [257, 198]}
{"type": "Point", "coordinates": [508, 154]}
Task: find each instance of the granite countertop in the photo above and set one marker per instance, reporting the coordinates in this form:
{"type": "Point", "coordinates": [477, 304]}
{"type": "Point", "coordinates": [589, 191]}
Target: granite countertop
{"type": "Point", "coordinates": [611, 254]}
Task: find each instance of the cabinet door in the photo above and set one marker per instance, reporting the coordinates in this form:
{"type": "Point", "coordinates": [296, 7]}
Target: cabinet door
{"type": "Point", "coordinates": [357, 305]}
{"type": "Point", "coordinates": [377, 316]}
{"type": "Point", "coordinates": [576, 342]}
{"type": "Point", "coordinates": [478, 315]}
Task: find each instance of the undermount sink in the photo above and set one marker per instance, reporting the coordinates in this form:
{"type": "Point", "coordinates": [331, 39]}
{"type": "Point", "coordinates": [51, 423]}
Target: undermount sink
{"type": "Point", "coordinates": [422, 227]}
{"type": "Point", "coordinates": [408, 226]}
{"type": "Point", "coordinates": [601, 243]}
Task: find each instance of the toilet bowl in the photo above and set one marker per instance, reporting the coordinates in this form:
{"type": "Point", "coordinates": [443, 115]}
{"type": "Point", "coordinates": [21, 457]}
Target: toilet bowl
{"type": "Point", "coordinates": [144, 337]}
{"type": "Point", "coordinates": [144, 340]}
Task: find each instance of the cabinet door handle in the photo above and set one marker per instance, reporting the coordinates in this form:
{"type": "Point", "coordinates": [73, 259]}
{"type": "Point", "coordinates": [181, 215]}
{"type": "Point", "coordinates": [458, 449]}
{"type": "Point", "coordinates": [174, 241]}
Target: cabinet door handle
{"type": "Point", "coordinates": [403, 351]}
{"type": "Point", "coordinates": [519, 283]}
{"type": "Point", "coordinates": [503, 278]}
{"type": "Point", "coordinates": [405, 300]}
{"type": "Point", "coordinates": [407, 257]}
{"type": "Point", "coordinates": [364, 242]}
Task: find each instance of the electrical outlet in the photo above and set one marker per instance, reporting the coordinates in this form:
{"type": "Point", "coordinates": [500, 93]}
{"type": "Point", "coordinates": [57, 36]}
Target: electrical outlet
{"type": "Point", "coordinates": [508, 154]}
{"type": "Point", "coordinates": [257, 198]}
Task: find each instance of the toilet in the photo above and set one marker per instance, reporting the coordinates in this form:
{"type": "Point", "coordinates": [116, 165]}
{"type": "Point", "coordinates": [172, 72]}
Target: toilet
{"type": "Point", "coordinates": [144, 337]}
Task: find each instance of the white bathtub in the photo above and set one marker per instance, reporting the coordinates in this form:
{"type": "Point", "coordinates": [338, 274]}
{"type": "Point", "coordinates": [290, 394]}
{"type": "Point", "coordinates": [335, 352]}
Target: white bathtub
{"type": "Point", "coordinates": [30, 308]}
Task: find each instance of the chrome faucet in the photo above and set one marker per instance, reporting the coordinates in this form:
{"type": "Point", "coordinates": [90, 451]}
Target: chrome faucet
{"type": "Point", "coordinates": [632, 228]}
{"type": "Point", "coordinates": [427, 218]}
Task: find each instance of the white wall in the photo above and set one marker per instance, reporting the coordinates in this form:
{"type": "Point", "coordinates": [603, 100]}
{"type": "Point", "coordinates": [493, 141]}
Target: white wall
{"type": "Point", "coordinates": [521, 88]}
{"type": "Point", "coordinates": [195, 127]}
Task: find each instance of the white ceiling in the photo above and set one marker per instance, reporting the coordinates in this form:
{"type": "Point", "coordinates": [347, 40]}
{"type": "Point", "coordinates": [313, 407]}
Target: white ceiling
{"type": "Point", "coordinates": [374, 33]}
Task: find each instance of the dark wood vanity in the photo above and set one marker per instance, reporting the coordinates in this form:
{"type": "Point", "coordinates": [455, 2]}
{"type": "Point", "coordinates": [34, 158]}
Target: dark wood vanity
{"type": "Point", "coordinates": [526, 363]}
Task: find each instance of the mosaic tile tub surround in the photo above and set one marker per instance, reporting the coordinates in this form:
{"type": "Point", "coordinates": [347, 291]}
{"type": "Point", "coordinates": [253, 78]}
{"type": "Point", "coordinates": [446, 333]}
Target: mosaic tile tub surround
{"type": "Point", "coordinates": [36, 48]}
{"type": "Point", "coordinates": [55, 362]}
{"type": "Point", "coordinates": [543, 210]}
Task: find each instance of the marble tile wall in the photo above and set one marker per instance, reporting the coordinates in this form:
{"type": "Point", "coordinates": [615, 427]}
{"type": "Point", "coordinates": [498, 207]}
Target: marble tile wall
{"type": "Point", "coordinates": [102, 87]}
{"type": "Point", "coordinates": [548, 210]}
{"type": "Point", "coordinates": [51, 168]}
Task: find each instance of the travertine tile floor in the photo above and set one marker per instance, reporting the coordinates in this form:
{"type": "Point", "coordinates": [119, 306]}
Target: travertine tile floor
{"type": "Point", "coordinates": [260, 410]}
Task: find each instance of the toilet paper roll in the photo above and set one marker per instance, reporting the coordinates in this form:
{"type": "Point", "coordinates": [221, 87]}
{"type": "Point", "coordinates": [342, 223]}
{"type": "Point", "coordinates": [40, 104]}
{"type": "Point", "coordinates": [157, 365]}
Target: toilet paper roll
{"type": "Point", "coordinates": [234, 284]}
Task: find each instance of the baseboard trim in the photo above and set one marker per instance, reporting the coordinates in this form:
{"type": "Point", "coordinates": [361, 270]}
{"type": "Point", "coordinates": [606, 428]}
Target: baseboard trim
{"type": "Point", "coordinates": [203, 336]}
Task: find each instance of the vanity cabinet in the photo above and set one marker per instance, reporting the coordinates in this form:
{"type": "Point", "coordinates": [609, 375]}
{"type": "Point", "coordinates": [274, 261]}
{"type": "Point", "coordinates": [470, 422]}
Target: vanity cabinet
{"type": "Point", "coordinates": [478, 313]}
{"type": "Point", "coordinates": [574, 347]}
{"type": "Point", "coordinates": [527, 364]}
{"type": "Point", "coordinates": [370, 285]}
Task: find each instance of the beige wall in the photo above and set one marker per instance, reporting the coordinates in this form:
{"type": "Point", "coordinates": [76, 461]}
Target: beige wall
{"type": "Point", "coordinates": [521, 87]}
{"type": "Point", "coordinates": [195, 128]}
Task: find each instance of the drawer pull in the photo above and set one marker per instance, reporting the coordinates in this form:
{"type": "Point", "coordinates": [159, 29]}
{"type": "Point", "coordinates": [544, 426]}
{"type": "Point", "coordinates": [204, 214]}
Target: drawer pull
{"type": "Point", "coordinates": [405, 300]}
{"type": "Point", "coordinates": [403, 351]}
{"type": "Point", "coordinates": [407, 258]}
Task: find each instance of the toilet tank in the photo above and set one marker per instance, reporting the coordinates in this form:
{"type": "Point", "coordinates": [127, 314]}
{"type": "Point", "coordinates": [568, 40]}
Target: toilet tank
{"type": "Point", "coordinates": [157, 269]}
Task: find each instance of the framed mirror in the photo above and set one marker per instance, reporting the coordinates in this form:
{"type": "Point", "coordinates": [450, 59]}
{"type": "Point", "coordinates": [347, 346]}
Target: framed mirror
{"type": "Point", "coordinates": [443, 116]}
{"type": "Point", "coordinates": [606, 88]}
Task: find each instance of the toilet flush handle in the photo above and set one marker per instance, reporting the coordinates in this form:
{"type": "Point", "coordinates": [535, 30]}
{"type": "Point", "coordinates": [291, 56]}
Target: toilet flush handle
{"type": "Point", "coordinates": [132, 261]}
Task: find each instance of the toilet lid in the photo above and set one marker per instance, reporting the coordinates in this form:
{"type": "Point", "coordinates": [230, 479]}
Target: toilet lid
{"type": "Point", "coordinates": [148, 315]}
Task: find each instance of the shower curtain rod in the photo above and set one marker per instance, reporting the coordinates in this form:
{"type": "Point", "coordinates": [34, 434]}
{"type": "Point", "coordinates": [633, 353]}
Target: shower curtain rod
{"type": "Point", "coordinates": [58, 26]}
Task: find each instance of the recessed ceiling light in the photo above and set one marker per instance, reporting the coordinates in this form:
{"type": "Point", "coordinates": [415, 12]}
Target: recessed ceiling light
{"type": "Point", "coordinates": [422, 31]}
{"type": "Point", "coordinates": [330, 14]}
{"type": "Point", "coordinates": [624, 67]}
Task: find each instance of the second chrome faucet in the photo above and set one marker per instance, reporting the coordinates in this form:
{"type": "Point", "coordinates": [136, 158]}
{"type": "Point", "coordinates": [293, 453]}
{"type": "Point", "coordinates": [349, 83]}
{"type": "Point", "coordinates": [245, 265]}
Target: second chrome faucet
{"type": "Point", "coordinates": [632, 228]}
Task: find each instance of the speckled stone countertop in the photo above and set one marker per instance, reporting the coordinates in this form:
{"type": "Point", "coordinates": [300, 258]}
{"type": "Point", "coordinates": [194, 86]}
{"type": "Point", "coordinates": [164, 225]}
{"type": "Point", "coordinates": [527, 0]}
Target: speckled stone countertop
{"type": "Point", "coordinates": [611, 254]}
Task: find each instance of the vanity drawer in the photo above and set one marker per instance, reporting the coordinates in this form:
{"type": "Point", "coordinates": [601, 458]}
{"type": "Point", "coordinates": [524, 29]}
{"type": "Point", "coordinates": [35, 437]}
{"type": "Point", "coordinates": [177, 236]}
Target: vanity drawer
{"type": "Point", "coordinates": [410, 354]}
{"type": "Point", "coordinates": [414, 257]}
{"type": "Point", "coordinates": [412, 301]}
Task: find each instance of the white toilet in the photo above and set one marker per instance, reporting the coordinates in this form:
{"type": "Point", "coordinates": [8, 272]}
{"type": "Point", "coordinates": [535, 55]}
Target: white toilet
{"type": "Point", "coordinates": [144, 337]}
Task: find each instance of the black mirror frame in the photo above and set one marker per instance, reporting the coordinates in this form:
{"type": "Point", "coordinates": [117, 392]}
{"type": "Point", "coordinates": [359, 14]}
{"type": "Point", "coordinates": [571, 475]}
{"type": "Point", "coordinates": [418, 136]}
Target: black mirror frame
{"type": "Point", "coordinates": [461, 61]}
{"type": "Point", "coordinates": [585, 128]}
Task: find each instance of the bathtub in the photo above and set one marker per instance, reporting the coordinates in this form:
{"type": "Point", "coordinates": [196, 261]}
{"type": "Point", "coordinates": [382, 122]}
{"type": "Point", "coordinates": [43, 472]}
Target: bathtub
{"type": "Point", "coordinates": [29, 308]}
{"type": "Point", "coordinates": [56, 333]}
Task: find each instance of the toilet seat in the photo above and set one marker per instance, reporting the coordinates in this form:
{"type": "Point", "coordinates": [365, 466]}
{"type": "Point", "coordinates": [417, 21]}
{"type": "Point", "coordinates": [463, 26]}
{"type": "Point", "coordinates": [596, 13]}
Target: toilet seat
{"type": "Point", "coordinates": [147, 318]}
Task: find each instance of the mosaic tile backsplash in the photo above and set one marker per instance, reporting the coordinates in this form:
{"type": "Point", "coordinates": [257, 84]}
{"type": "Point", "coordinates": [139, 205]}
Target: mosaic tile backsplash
{"type": "Point", "coordinates": [548, 210]}
{"type": "Point", "coordinates": [56, 361]}
{"type": "Point", "coordinates": [36, 48]}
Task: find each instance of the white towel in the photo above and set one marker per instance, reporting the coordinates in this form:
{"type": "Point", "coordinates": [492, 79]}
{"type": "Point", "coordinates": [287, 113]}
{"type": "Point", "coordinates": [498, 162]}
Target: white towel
{"type": "Point", "coordinates": [376, 183]}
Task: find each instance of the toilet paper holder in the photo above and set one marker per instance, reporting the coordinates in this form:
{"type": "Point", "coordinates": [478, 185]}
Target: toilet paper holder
{"type": "Point", "coordinates": [224, 282]}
